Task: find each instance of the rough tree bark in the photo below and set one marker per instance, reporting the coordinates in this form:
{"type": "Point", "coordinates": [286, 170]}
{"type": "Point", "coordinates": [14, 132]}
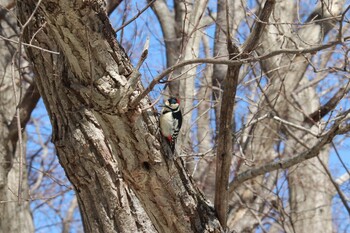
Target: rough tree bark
{"type": "Point", "coordinates": [205, 172]}
{"type": "Point", "coordinates": [236, 13]}
{"type": "Point", "coordinates": [15, 215]}
{"type": "Point", "coordinates": [112, 151]}
{"type": "Point", "coordinates": [101, 142]}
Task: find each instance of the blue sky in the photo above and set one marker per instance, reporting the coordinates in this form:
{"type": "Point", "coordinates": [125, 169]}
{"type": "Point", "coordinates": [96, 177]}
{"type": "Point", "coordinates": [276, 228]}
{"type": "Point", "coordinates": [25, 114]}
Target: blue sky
{"type": "Point", "coordinates": [135, 34]}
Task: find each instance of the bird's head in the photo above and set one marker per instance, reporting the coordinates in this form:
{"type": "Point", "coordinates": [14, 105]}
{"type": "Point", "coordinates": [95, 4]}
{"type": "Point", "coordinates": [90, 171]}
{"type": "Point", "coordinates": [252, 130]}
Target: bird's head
{"type": "Point", "coordinates": [172, 103]}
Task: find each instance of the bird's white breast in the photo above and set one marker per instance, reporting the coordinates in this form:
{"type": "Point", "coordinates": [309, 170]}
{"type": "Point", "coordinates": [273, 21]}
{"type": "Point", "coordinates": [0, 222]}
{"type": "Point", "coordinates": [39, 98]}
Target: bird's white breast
{"type": "Point", "coordinates": [166, 124]}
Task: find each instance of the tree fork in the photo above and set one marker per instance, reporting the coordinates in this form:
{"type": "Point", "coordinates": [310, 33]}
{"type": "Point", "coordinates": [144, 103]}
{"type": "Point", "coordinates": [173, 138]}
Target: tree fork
{"type": "Point", "coordinates": [85, 90]}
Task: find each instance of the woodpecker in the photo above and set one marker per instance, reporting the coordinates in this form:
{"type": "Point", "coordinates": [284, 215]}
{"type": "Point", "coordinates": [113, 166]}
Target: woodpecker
{"type": "Point", "coordinates": [171, 121]}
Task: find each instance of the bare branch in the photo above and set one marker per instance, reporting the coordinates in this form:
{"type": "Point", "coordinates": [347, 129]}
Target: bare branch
{"type": "Point", "coordinates": [252, 41]}
{"type": "Point", "coordinates": [169, 70]}
{"type": "Point", "coordinates": [278, 119]}
{"type": "Point", "coordinates": [29, 45]}
{"type": "Point", "coordinates": [340, 159]}
{"type": "Point", "coordinates": [286, 163]}
{"type": "Point", "coordinates": [329, 106]}
{"type": "Point", "coordinates": [224, 149]}
{"type": "Point", "coordinates": [340, 34]}
{"type": "Point", "coordinates": [30, 99]}
{"type": "Point", "coordinates": [136, 16]}
{"type": "Point", "coordinates": [336, 186]}
{"type": "Point", "coordinates": [143, 54]}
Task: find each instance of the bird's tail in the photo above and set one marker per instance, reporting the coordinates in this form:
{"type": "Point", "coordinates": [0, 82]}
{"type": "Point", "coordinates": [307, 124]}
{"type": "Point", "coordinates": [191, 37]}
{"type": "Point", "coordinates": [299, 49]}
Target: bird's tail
{"type": "Point", "coordinates": [172, 146]}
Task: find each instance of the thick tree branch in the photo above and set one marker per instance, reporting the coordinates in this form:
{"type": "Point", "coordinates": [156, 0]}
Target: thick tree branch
{"type": "Point", "coordinates": [252, 42]}
{"type": "Point", "coordinates": [29, 101]}
{"type": "Point", "coordinates": [327, 107]}
{"type": "Point", "coordinates": [224, 149]}
{"type": "Point", "coordinates": [165, 17]}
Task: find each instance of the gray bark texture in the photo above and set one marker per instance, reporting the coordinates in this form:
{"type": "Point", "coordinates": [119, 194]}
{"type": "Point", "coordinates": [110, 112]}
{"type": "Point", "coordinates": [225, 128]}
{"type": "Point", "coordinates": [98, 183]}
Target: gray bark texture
{"type": "Point", "coordinates": [110, 147]}
{"type": "Point", "coordinates": [15, 214]}
{"type": "Point", "coordinates": [111, 153]}
{"type": "Point", "coordinates": [309, 186]}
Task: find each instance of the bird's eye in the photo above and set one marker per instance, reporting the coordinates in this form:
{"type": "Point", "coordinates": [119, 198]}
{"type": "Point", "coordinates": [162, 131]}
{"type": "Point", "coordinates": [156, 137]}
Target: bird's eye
{"type": "Point", "coordinates": [172, 101]}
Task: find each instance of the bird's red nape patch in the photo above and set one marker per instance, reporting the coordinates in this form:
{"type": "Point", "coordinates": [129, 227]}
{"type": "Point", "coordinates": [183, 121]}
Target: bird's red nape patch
{"type": "Point", "coordinates": [170, 138]}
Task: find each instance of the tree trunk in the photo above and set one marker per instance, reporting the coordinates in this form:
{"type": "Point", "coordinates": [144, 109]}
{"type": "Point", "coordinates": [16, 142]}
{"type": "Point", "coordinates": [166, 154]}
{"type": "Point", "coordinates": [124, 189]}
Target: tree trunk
{"type": "Point", "coordinates": [105, 146]}
{"type": "Point", "coordinates": [15, 214]}
{"type": "Point", "coordinates": [125, 177]}
{"type": "Point", "coordinates": [285, 73]}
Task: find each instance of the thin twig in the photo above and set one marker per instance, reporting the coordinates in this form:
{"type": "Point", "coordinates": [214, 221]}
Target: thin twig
{"type": "Point", "coordinates": [329, 106]}
{"type": "Point", "coordinates": [169, 70]}
{"type": "Point", "coordinates": [19, 131]}
{"type": "Point", "coordinates": [136, 16]}
{"type": "Point", "coordinates": [340, 35]}
{"type": "Point", "coordinates": [286, 163]}
{"type": "Point", "coordinates": [30, 17]}
{"type": "Point", "coordinates": [18, 115]}
{"type": "Point", "coordinates": [134, 77]}
{"type": "Point", "coordinates": [44, 153]}
{"type": "Point", "coordinates": [295, 126]}
{"type": "Point", "coordinates": [336, 186]}
{"type": "Point", "coordinates": [29, 45]}
{"type": "Point", "coordinates": [144, 54]}
{"type": "Point", "coordinates": [340, 159]}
